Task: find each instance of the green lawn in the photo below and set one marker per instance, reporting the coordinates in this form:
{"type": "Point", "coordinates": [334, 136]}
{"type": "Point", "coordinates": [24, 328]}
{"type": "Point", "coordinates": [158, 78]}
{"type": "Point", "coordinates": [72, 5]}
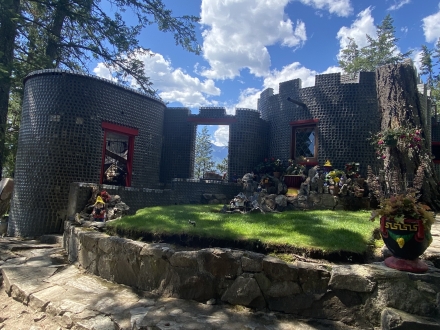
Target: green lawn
{"type": "Point", "coordinates": [328, 231]}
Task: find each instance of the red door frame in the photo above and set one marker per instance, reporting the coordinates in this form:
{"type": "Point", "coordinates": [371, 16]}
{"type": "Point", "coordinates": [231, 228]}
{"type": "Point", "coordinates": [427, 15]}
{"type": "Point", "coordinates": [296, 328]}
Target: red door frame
{"type": "Point", "coordinates": [131, 133]}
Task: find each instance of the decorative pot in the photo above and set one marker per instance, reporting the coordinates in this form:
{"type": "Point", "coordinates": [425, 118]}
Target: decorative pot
{"type": "Point", "coordinates": [406, 241]}
{"type": "Point", "coordinates": [293, 181]}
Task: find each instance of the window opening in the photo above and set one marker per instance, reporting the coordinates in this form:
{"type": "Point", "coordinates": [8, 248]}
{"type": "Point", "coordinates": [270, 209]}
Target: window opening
{"type": "Point", "coordinates": [117, 157]}
{"type": "Point", "coordinates": [304, 147]}
{"type": "Point", "coordinates": [115, 163]}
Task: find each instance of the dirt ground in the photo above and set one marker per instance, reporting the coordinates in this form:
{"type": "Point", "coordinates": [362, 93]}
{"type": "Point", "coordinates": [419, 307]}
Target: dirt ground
{"type": "Point", "coordinates": [16, 316]}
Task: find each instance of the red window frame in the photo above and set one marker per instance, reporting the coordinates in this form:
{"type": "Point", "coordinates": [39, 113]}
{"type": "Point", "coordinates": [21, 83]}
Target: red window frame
{"type": "Point", "coordinates": [131, 133]}
{"type": "Point", "coordinates": [312, 161]}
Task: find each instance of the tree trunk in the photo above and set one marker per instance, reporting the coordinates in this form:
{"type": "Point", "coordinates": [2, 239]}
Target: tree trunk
{"type": "Point", "coordinates": [9, 14]}
{"type": "Point", "coordinates": [399, 102]}
{"type": "Point", "coordinates": [52, 49]}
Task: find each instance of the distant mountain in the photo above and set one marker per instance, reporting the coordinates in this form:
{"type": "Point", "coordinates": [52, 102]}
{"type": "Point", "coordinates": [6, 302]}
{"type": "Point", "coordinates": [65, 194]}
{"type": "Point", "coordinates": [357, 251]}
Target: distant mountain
{"type": "Point", "coordinates": [219, 153]}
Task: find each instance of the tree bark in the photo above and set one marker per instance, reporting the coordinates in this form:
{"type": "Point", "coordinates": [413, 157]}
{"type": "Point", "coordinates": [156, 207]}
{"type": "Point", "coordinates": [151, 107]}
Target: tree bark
{"type": "Point", "coordinates": [9, 14]}
{"type": "Point", "coordinates": [52, 49]}
{"type": "Point", "coordinates": [399, 102]}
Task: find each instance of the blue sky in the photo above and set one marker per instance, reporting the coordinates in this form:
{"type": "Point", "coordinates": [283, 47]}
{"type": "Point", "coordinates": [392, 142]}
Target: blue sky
{"type": "Point", "coordinates": [250, 45]}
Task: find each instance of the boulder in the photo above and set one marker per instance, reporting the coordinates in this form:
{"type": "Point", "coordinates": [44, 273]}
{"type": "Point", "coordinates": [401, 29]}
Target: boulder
{"type": "Point", "coordinates": [393, 319]}
{"type": "Point", "coordinates": [281, 200]}
{"type": "Point", "coordinates": [352, 277]}
{"type": "Point", "coordinates": [244, 291]}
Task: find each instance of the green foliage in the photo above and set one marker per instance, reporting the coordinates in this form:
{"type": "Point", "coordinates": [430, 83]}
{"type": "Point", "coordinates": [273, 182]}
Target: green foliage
{"type": "Point", "coordinates": [203, 154]}
{"type": "Point", "coordinates": [404, 206]}
{"type": "Point", "coordinates": [223, 166]}
{"type": "Point", "coordinates": [270, 165]}
{"type": "Point", "coordinates": [407, 138]}
{"type": "Point", "coordinates": [430, 63]}
{"type": "Point", "coordinates": [322, 230]}
{"type": "Point", "coordinates": [294, 168]}
{"type": "Point", "coordinates": [380, 50]}
{"type": "Point", "coordinates": [44, 34]}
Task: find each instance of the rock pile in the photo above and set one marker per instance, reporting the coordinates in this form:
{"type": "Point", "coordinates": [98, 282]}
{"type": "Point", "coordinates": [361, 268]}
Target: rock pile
{"type": "Point", "coordinates": [268, 194]}
{"type": "Point", "coordinates": [114, 206]}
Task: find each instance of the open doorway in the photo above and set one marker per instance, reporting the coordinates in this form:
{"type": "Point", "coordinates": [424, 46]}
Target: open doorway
{"type": "Point", "coordinates": [211, 152]}
{"type": "Point", "coordinates": [117, 154]}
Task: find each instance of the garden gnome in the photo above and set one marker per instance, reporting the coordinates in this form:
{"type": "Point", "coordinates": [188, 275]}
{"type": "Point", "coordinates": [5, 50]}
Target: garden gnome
{"type": "Point", "coordinates": [327, 166]}
{"type": "Point", "coordinates": [99, 210]}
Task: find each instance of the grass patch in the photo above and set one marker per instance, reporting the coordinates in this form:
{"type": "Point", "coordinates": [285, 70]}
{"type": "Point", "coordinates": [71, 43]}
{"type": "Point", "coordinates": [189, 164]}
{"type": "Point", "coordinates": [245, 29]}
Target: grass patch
{"type": "Point", "coordinates": [325, 230]}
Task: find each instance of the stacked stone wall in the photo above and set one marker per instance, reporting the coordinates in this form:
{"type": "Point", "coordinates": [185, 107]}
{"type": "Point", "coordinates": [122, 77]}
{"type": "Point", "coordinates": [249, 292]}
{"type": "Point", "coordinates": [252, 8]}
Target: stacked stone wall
{"type": "Point", "coordinates": [353, 294]}
{"type": "Point", "coordinates": [183, 191]}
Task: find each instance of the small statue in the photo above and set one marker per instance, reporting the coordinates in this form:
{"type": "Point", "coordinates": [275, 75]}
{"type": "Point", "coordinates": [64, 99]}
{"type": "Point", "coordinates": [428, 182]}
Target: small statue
{"type": "Point", "coordinates": [99, 211]}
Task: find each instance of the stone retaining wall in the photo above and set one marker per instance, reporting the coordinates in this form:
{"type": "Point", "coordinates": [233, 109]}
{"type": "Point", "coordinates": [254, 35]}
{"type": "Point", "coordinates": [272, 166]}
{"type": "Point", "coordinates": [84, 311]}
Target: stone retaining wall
{"type": "Point", "coordinates": [183, 191]}
{"type": "Point", "coordinates": [353, 294]}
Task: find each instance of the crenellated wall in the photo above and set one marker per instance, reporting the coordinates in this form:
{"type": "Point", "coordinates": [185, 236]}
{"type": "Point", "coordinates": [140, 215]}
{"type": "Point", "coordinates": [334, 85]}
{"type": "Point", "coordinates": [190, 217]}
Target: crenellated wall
{"type": "Point", "coordinates": [346, 110]}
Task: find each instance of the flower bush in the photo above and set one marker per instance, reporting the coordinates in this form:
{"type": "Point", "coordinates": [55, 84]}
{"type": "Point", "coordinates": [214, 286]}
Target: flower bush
{"type": "Point", "coordinates": [295, 169]}
{"type": "Point", "coordinates": [406, 137]}
{"type": "Point", "coordinates": [352, 170]}
{"type": "Point", "coordinates": [270, 165]}
{"type": "Point", "coordinates": [404, 206]}
{"type": "Point", "coordinates": [334, 177]}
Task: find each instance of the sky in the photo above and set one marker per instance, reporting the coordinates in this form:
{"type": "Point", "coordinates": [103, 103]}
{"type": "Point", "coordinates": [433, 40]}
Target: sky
{"type": "Point", "coordinates": [251, 45]}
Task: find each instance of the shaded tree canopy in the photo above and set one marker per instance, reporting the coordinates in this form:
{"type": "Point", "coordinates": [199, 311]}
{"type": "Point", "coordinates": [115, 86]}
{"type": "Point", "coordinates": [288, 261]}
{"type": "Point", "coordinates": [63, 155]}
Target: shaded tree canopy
{"type": "Point", "coordinates": [69, 34]}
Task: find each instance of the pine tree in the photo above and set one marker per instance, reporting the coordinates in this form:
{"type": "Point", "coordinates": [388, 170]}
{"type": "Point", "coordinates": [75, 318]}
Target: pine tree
{"type": "Point", "coordinates": [426, 65]}
{"type": "Point", "coordinates": [223, 166]}
{"type": "Point", "coordinates": [380, 50]}
{"type": "Point", "coordinates": [429, 67]}
{"type": "Point", "coordinates": [203, 154]}
{"type": "Point", "coordinates": [351, 60]}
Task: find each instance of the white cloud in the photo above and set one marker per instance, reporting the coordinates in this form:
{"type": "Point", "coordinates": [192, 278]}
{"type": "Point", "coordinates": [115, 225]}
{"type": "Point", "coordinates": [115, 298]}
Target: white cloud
{"type": "Point", "coordinates": [363, 25]}
{"type": "Point", "coordinates": [237, 32]}
{"type": "Point", "coordinates": [404, 29]}
{"type": "Point", "coordinates": [338, 7]}
{"type": "Point", "coordinates": [417, 59]}
{"type": "Point", "coordinates": [221, 136]}
{"type": "Point", "coordinates": [431, 27]}
{"type": "Point", "coordinates": [248, 98]}
{"type": "Point", "coordinates": [102, 71]}
{"type": "Point", "coordinates": [173, 84]}
{"type": "Point", "coordinates": [399, 4]}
